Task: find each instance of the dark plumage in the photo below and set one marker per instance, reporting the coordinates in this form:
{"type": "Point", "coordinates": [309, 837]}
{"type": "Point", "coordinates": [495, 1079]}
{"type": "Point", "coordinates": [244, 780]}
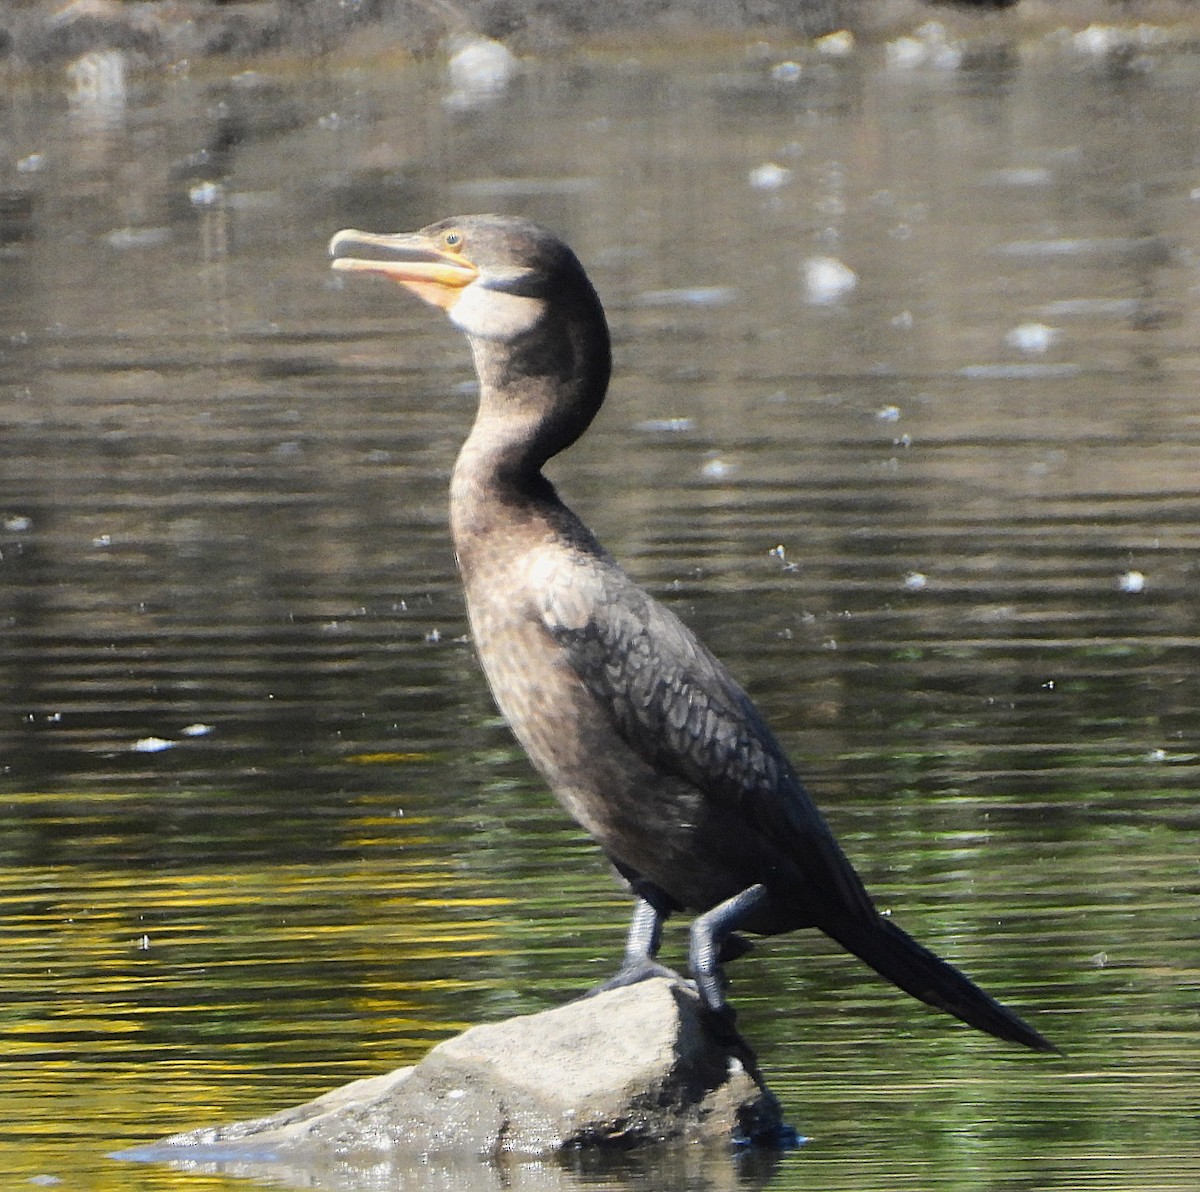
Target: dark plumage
{"type": "Point", "coordinates": [643, 735]}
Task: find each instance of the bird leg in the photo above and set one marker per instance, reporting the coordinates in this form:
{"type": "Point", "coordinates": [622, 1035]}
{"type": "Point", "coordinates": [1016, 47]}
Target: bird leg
{"type": "Point", "coordinates": [645, 933]}
{"type": "Point", "coordinates": [642, 943]}
{"type": "Point", "coordinates": [711, 940]}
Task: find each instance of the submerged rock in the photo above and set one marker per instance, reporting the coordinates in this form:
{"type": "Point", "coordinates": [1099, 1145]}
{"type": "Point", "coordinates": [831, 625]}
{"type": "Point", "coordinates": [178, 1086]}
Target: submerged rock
{"type": "Point", "coordinates": [630, 1067]}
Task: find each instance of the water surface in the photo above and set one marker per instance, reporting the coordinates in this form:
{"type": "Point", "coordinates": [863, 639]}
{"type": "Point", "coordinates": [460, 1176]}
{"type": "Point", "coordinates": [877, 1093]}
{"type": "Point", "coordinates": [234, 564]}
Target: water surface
{"type": "Point", "coordinates": [263, 831]}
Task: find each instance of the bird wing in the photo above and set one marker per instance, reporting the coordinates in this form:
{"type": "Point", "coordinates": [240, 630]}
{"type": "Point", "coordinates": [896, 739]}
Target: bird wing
{"type": "Point", "coordinates": [676, 704]}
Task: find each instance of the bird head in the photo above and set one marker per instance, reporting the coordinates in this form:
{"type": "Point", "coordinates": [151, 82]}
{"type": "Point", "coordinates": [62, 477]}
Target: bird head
{"type": "Point", "coordinates": [495, 276]}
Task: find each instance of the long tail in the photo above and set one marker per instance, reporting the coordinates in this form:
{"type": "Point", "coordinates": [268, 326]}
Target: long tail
{"type": "Point", "coordinates": [894, 954]}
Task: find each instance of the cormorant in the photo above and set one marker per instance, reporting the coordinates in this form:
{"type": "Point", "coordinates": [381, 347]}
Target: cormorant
{"type": "Point", "coordinates": [643, 735]}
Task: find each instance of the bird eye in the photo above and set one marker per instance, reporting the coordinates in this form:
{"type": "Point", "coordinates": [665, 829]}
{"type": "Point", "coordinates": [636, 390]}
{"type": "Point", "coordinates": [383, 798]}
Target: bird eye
{"type": "Point", "coordinates": [452, 239]}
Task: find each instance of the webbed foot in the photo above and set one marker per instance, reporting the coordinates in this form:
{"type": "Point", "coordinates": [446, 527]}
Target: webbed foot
{"type": "Point", "coordinates": [633, 972]}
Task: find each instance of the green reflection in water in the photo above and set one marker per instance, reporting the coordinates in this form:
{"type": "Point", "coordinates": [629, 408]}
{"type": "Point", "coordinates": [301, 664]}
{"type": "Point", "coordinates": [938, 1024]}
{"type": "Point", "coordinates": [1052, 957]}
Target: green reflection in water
{"type": "Point", "coordinates": [224, 503]}
{"type": "Point", "coordinates": [143, 998]}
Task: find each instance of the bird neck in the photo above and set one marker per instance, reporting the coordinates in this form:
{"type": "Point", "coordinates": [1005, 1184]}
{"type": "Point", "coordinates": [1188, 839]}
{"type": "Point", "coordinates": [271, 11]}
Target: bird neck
{"type": "Point", "coordinates": [537, 395]}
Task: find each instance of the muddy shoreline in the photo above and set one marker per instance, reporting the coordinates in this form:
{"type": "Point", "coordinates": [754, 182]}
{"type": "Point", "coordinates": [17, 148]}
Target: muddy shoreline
{"type": "Point", "coordinates": [41, 34]}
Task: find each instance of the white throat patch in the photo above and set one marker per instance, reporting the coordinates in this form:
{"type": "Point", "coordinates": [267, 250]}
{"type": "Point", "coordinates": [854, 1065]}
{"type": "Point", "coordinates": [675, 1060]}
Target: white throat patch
{"type": "Point", "coordinates": [494, 314]}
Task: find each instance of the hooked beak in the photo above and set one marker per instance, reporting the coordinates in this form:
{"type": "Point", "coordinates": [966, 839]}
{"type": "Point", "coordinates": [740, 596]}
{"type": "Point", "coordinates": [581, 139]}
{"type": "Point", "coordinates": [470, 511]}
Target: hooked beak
{"type": "Point", "coordinates": [437, 274]}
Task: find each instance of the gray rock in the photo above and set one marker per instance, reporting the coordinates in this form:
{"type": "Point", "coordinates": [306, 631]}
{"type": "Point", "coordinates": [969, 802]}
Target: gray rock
{"type": "Point", "coordinates": [630, 1067]}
